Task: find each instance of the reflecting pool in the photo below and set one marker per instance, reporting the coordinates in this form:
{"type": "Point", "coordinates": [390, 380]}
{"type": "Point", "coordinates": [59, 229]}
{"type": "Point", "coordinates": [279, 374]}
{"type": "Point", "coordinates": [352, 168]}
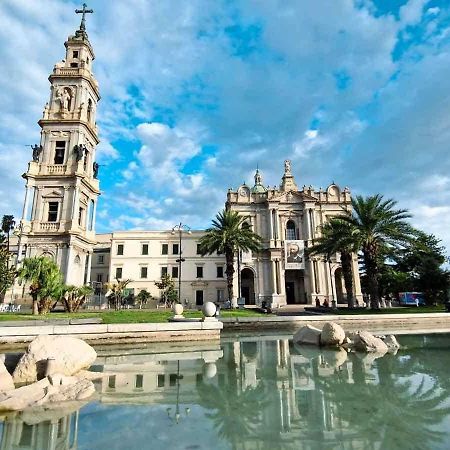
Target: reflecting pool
{"type": "Point", "coordinates": [252, 393]}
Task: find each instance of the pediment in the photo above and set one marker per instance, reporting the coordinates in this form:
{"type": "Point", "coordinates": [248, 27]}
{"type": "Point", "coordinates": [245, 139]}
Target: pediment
{"type": "Point", "coordinates": [293, 197]}
{"type": "Point", "coordinates": [54, 193]}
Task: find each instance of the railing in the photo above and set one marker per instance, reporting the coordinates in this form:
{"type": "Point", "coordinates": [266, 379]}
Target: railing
{"type": "Point", "coordinates": [49, 226]}
{"type": "Point", "coordinates": [67, 70]}
{"type": "Point", "coordinates": [56, 169]}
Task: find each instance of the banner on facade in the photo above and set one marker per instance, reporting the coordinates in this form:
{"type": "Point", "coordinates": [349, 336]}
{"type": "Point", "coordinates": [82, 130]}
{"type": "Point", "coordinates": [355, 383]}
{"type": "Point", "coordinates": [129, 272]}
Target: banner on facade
{"type": "Point", "coordinates": [294, 254]}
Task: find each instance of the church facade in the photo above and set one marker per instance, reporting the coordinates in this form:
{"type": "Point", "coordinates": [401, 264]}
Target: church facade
{"type": "Point", "coordinates": [289, 219]}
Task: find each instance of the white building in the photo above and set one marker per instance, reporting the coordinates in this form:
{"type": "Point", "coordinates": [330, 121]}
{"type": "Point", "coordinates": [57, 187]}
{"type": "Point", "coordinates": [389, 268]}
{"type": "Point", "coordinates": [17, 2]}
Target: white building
{"type": "Point", "coordinates": [144, 256]}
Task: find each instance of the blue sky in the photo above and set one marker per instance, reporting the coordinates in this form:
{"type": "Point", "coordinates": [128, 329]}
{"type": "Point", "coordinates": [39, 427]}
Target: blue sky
{"type": "Point", "coordinates": [196, 94]}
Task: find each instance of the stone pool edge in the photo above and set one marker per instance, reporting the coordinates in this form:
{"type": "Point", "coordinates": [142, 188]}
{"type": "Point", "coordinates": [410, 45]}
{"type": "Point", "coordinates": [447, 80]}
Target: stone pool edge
{"type": "Point", "coordinates": [418, 323]}
{"type": "Point", "coordinates": [118, 333]}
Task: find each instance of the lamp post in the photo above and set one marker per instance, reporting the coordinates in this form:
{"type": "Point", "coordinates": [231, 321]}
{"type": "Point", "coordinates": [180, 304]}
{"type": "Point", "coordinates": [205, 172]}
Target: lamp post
{"type": "Point", "coordinates": [177, 416]}
{"type": "Point", "coordinates": [180, 228]}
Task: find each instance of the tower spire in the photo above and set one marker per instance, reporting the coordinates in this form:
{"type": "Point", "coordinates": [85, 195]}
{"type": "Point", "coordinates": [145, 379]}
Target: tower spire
{"type": "Point", "coordinates": [83, 13]}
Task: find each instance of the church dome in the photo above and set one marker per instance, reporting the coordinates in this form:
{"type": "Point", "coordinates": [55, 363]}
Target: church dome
{"type": "Point", "coordinates": [258, 188]}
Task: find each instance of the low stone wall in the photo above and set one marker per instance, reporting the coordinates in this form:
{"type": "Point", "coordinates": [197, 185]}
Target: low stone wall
{"type": "Point", "coordinates": [385, 323]}
{"type": "Point", "coordinates": [117, 333]}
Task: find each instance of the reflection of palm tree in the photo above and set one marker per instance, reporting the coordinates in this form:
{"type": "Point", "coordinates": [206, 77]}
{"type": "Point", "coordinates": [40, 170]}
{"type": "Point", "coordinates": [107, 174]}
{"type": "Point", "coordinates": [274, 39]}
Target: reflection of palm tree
{"type": "Point", "coordinates": [391, 412]}
{"type": "Point", "coordinates": [235, 414]}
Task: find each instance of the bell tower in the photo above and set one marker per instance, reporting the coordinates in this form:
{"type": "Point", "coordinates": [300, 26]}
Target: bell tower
{"type": "Point", "coordinates": [62, 188]}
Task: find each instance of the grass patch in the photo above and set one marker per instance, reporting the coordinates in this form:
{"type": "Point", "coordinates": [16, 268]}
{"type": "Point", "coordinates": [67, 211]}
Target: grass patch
{"type": "Point", "coordinates": [127, 315]}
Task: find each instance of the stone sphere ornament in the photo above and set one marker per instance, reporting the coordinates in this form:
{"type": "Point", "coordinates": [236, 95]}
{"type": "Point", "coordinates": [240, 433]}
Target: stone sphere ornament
{"type": "Point", "coordinates": [210, 370]}
{"type": "Point", "coordinates": [209, 309]}
{"type": "Point", "coordinates": [177, 309]}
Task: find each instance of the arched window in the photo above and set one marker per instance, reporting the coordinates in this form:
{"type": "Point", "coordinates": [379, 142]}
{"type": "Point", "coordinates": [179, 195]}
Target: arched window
{"type": "Point", "coordinates": [291, 233]}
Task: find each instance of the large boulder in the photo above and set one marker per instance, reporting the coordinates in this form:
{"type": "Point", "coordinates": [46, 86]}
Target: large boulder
{"type": "Point", "coordinates": [364, 341]}
{"type": "Point", "coordinates": [392, 344]}
{"type": "Point", "coordinates": [6, 381]}
{"type": "Point", "coordinates": [79, 390]}
{"type": "Point", "coordinates": [307, 335]}
{"type": "Point", "coordinates": [24, 396]}
{"type": "Point", "coordinates": [69, 356]}
{"type": "Point", "coordinates": [332, 334]}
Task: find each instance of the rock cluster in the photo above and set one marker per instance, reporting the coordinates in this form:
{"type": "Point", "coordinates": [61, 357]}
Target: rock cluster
{"type": "Point", "coordinates": [333, 335]}
{"type": "Point", "coordinates": [54, 366]}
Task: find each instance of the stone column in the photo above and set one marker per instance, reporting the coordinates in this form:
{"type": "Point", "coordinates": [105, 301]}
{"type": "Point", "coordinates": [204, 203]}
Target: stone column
{"type": "Point", "coordinates": [89, 265]}
{"type": "Point", "coordinates": [307, 222]}
{"type": "Point", "coordinates": [274, 277]}
{"type": "Point", "coordinates": [75, 201]}
{"type": "Point", "coordinates": [271, 223]}
{"type": "Point", "coordinates": [25, 203]}
{"type": "Point", "coordinates": [94, 214]}
{"type": "Point", "coordinates": [276, 225]}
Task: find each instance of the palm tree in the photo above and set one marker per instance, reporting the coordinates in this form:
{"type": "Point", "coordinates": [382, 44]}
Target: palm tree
{"type": "Point", "coordinates": [377, 225]}
{"type": "Point", "coordinates": [235, 413]}
{"type": "Point", "coordinates": [8, 223]}
{"type": "Point", "coordinates": [45, 281]}
{"type": "Point", "coordinates": [338, 236]}
{"type": "Point", "coordinates": [143, 297]}
{"type": "Point", "coordinates": [228, 236]}
{"type": "Point", "coordinates": [73, 297]}
{"type": "Point", "coordinates": [115, 292]}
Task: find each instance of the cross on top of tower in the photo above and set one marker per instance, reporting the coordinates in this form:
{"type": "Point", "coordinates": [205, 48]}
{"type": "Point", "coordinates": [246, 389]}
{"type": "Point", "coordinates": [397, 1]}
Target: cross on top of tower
{"type": "Point", "coordinates": [83, 11]}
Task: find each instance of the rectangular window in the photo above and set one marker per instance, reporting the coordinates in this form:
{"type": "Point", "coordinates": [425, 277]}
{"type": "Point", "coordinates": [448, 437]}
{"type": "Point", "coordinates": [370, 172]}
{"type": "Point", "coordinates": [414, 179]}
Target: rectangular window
{"type": "Point", "coordinates": [175, 249]}
{"type": "Point", "coordinates": [199, 271]}
{"type": "Point", "coordinates": [174, 272]}
{"type": "Point", "coordinates": [199, 249]}
{"type": "Point", "coordinates": [53, 211]}
{"type": "Point", "coordinates": [99, 278]}
{"type": "Point", "coordinates": [75, 54]}
{"type": "Point", "coordinates": [145, 249]}
{"type": "Point", "coordinates": [173, 379]}
{"type": "Point", "coordinates": [101, 259]}
{"type": "Point", "coordinates": [60, 149]}
{"type": "Point", "coordinates": [219, 271]}
{"type": "Point", "coordinates": [112, 381]}
{"type": "Point", "coordinates": [220, 295]}
{"type": "Point", "coordinates": [144, 272]}
{"type": "Point", "coordinates": [118, 273]}
{"type": "Point", "coordinates": [161, 380]}
{"type": "Point", "coordinates": [165, 249]}
{"type": "Point", "coordinates": [163, 271]}
{"type": "Point", "coordinates": [139, 382]}
{"type": "Point", "coordinates": [120, 249]}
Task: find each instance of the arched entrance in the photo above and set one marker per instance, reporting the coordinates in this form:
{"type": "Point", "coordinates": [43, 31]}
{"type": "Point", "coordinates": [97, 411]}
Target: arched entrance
{"type": "Point", "coordinates": [339, 285]}
{"type": "Point", "coordinates": [248, 286]}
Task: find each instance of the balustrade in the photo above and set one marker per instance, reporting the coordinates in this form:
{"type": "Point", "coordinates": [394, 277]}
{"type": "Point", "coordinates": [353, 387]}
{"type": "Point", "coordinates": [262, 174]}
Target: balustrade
{"type": "Point", "coordinates": [49, 226]}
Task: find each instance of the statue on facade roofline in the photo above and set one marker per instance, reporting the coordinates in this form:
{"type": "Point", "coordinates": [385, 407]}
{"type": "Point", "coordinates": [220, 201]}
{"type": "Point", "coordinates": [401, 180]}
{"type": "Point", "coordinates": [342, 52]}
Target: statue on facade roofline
{"type": "Point", "coordinates": [95, 168]}
{"type": "Point", "coordinates": [37, 150]}
{"type": "Point", "coordinates": [287, 166]}
{"type": "Point", "coordinates": [79, 150]}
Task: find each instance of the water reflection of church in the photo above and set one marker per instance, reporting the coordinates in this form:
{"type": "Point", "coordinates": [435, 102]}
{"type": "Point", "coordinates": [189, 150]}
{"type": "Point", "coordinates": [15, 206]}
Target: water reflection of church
{"type": "Point", "coordinates": [253, 394]}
